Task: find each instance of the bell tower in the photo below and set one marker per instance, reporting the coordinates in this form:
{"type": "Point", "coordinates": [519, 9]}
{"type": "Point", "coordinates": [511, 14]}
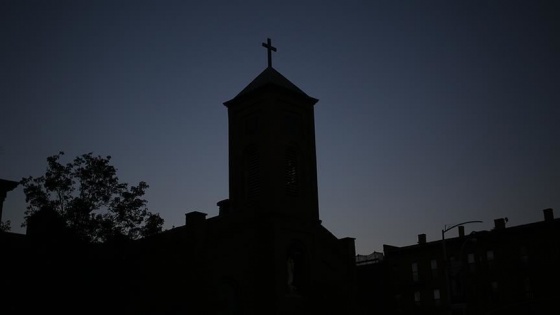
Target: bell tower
{"type": "Point", "coordinates": [272, 158]}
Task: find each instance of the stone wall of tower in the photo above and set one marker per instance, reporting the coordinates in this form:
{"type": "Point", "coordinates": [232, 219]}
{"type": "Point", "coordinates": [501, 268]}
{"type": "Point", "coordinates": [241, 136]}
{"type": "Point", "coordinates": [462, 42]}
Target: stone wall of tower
{"type": "Point", "coordinates": [272, 158]}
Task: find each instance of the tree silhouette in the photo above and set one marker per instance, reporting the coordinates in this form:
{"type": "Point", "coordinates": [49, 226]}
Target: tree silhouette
{"type": "Point", "coordinates": [5, 226]}
{"type": "Point", "coordinates": [88, 195]}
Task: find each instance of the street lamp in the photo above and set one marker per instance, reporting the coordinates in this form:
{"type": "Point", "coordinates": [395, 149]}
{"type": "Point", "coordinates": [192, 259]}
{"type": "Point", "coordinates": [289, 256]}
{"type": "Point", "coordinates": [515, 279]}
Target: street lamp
{"type": "Point", "coordinates": [445, 265]}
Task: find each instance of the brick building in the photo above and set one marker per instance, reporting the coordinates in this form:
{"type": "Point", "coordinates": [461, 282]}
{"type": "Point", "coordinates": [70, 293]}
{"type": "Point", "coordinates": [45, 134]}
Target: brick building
{"type": "Point", "coordinates": [508, 270]}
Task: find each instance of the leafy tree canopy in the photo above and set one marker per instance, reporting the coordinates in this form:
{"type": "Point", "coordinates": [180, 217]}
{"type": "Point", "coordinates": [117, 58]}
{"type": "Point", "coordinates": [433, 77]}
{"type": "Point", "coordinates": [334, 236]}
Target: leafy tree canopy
{"type": "Point", "coordinates": [5, 226]}
{"type": "Point", "coordinates": [88, 195]}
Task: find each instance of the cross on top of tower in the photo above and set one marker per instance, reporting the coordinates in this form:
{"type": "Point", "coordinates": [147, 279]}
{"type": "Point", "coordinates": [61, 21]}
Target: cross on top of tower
{"type": "Point", "coordinates": [270, 48]}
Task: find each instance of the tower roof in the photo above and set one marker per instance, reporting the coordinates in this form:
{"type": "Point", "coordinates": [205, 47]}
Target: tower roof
{"type": "Point", "coordinates": [270, 77]}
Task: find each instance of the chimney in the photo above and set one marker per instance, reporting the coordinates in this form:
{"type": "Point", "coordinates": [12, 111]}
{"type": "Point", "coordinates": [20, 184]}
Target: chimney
{"type": "Point", "coordinates": [548, 214]}
{"type": "Point", "coordinates": [461, 231]}
{"type": "Point", "coordinates": [195, 218]}
{"type": "Point", "coordinates": [421, 238]}
{"type": "Point", "coordinates": [500, 223]}
{"type": "Point", "coordinates": [224, 207]}
{"type": "Point", "coordinates": [349, 245]}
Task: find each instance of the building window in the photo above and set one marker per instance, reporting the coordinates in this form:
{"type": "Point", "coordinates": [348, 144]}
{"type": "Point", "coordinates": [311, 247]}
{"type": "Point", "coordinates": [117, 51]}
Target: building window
{"type": "Point", "coordinates": [229, 300]}
{"type": "Point", "coordinates": [490, 258]}
{"type": "Point", "coordinates": [472, 262]}
{"type": "Point", "coordinates": [528, 288]}
{"type": "Point", "coordinates": [434, 267]}
{"type": "Point", "coordinates": [494, 291]}
{"type": "Point", "coordinates": [523, 255]}
{"type": "Point", "coordinates": [437, 298]}
{"type": "Point", "coordinates": [415, 272]}
{"type": "Point", "coordinates": [417, 299]}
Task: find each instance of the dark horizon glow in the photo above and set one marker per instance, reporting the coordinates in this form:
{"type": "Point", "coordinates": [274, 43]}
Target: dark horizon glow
{"type": "Point", "coordinates": [430, 113]}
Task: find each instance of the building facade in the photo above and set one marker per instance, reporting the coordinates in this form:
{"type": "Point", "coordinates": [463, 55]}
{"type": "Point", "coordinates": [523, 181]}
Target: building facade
{"type": "Point", "coordinates": [508, 270]}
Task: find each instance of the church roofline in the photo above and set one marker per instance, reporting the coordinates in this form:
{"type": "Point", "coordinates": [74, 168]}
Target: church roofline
{"type": "Point", "coordinates": [270, 77]}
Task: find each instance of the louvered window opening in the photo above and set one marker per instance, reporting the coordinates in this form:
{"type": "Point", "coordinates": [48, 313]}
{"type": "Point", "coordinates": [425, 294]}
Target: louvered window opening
{"type": "Point", "coordinates": [292, 172]}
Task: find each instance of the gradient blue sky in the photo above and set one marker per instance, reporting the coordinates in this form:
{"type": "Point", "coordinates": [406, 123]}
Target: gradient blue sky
{"type": "Point", "coordinates": [430, 113]}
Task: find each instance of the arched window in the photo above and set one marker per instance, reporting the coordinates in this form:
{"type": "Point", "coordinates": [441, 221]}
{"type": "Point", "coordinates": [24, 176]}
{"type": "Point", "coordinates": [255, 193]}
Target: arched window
{"type": "Point", "coordinates": [296, 268]}
{"type": "Point", "coordinates": [292, 171]}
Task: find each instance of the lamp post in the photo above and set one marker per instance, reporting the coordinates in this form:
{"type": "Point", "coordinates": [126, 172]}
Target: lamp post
{"type": "Point", "coordinates": [445, 264]}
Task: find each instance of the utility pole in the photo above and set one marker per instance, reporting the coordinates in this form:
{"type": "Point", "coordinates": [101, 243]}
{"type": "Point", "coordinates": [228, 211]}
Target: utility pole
{"type": "Point", "coordinates": [446, 265]}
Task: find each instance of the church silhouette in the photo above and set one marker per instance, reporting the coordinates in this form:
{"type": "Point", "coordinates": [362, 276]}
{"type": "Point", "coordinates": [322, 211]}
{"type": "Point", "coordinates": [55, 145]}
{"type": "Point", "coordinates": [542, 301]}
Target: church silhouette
{"type": "Point", "coordinates": [266, 252]}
